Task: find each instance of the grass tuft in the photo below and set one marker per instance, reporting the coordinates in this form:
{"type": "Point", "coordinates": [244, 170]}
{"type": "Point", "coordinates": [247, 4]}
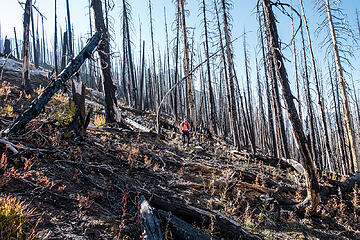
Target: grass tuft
{"type": "Point", "coordinates": [15, 219]}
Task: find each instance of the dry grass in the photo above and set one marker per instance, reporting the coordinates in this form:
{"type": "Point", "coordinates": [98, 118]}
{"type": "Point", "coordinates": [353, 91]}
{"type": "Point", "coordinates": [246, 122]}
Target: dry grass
{"type": "Point", "coordinates": [15, 219]}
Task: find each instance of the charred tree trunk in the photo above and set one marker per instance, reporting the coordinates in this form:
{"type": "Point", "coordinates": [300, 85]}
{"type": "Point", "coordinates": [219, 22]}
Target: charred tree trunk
{"type": "Point", "coordinates": [16, 45]}
{"type": "Point", "coordinates": [340, 140]}
{"type": "Point", "coordinates": [310, 111]}
{"type": "Point", "coordinates": [190, 96]}
{"type": "Point", "coordinates": [142, 79]}
{"type": "Point", "coordinates": [272, 137]}
{"type": "Point", "coordinates": [7, 47]}
{"type": "Point", "coordinates": [262, 130]}
{"type": "Point", "coordinates": [128, 59]}
{"type": "Point", "coordinates": [212, 109]}
{"type": "Point", "coordinates": [296, 65]}
{"type": "Point", "coordinates": [156, 90]}
{"type": "Point", "coordinates": [56, 43]}
{"type": "Point", "coordinates": [43, 40]}
{"type": "Point", "coordinates": [112, 114]}
{"type": "Point", "coordinates": [64, 51]}
{"type": "Point", "coordinates": [35, 53]}
{"type": "Point", "coordinates": [319, 96]}
{"type": "Point", "coordinates": [70, 45]}
{"type": "Point", "coordinates": [38, 104]}
{"type": "Point", "coordinates": [25, 49]}
{"type": "Point", "coordinates": [168, 61]}
{"type": "Point", "coordinates": [248, 100]}
{"type": "Point", "coordinates": [277, 111]}
{"type": "Point", "coordinates": [233, 111]}
{"type": "Point", "coordinates": [176, 74]}
{"type": "Point", "coordinates": [351, 140]}
{"type": "Point", "coordinates": [92, 74]}
{"type": "Point", "coordinates": [313, 190]}
{"type": "Point", "coordinates": [81, 121]}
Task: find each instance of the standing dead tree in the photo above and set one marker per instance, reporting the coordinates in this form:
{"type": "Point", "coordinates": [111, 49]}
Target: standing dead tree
{"type": "Point", "coordinates": [70, 45]}
{"type": "Point", "coordinates": [155, 85]}
{"type": "Point", "coordinates": [16, 45]}
{"type": "Point", "coordinates": [38, 104]}
{"type": "Point", "coordinates": [56, 43]}
{"type": "Point", "coordinates": [310, 111]}
{"type": "Point", "coordinates": [350, 133]}
{"type": "Point", "coordinates": [128, 65]}
{"type": "Point", "coordinates": [271, 137]}
{"type": "Point", "coordinates": [25, 50]}
{"type": "Point", "coordinates": [248, 100]}
{"type": "Point", "coordinates": [313, 189]}
{"type": "Point", "coordinates": [111, 108]}
{"type": "Point", "coordinates": [231, 86]}
{"type": "Point", "coordinates": [212, 109]}
{"type": "Point", "coordinates": [190, 96]}
{"type": "Point", "coordinates": [35, 53]}
{"type": "Point", "coordinates": [319, 96]}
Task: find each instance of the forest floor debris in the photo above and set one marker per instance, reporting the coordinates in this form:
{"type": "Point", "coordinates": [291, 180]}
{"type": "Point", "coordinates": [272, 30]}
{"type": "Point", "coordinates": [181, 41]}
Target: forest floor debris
{"type": "Point", "coordinates": [89, 187]}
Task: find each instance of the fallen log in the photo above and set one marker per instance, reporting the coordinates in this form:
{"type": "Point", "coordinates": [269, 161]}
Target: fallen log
{"type": "Point", "coordinates": [274, 162]}
{"type": "Point", "coordinates": [38, 104]}
{"type": "Point", "coordinates": [122, 131]}
{"type": "Point", "coordinates": [349, 184]}
{"type": "Point", "coordinates": [137, 125]}
{"type": "Point", "coordinates": [180, 229]}
{"type": "Point", "coordinates": [150, 224]}
{"type": "Point", "coordinates": [225, 225]}
{"type": "Point", "coordinates": [126, 120]}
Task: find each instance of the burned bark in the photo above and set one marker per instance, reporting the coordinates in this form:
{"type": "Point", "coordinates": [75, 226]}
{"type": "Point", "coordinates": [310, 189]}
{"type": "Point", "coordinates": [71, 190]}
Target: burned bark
{"type": "Point", "coordinates": [313, 189]}
{"type": "Point", "coordinates": [38, 104]}
{"type": "Point", "coordinates": [351, 140]}
{"type": "Point", "coordinates": [193, 214]}
{"type": "Point", "coordinates": [190, 96]}
{"type": "Point", "coordinates": [150, 222]}
{"type": "Point", "coordinates": [25, 50]}
{"type": "Point", "coordinates": [111, 109]}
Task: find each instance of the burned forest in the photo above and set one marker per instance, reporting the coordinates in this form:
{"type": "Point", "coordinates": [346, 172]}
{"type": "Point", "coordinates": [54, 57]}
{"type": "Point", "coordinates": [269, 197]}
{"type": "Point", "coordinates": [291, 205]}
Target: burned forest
{"type": "Point", "coordinates": [206, 119]}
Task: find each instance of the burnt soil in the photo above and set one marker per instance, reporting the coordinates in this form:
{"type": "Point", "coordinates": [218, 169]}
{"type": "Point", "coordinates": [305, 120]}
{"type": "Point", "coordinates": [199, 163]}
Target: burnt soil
{"type": "Point", "coordinates": [88, 187]}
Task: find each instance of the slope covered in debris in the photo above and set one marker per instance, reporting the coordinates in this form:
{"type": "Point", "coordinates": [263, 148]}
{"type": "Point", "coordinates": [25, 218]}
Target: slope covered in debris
{"type": "Point", "coordinates": [90, 187]}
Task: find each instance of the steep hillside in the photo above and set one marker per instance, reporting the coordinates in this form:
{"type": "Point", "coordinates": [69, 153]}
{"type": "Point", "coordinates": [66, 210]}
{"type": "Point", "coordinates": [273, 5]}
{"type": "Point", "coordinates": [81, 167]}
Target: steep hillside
{"type": "Point", "coordinates": [94, 186]}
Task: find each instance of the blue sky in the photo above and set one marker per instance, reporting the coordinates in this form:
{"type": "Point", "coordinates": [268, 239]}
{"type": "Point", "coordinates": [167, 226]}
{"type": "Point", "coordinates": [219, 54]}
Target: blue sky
{"type": "Point", "coordinates": [243, 15]}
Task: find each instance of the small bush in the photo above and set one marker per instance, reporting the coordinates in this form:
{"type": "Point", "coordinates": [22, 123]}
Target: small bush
{"type": "Point", "coordinates": [7, 111]}
{"type": "Point", "coordinates": [99, 120]}
{"type": "Point", "coordinates": [15, 219]}
{"type": "Point", "coordinates": [64, 115]}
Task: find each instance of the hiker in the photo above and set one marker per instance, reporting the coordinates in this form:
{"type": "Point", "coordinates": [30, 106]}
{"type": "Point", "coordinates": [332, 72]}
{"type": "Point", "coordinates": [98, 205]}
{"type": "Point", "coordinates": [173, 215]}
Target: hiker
{"type": "Point", "coordinates": [185, 130]}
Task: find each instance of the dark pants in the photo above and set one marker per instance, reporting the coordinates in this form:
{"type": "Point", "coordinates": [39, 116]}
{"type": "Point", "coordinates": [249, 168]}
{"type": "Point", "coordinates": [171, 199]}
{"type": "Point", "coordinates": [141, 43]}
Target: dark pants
{"type": "Point", "coordinates": [185, 134]}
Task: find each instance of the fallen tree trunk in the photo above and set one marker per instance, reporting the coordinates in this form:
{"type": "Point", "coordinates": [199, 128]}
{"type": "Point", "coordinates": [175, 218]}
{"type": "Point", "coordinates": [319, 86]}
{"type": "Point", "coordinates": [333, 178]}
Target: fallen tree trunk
{"type": "Point", "coordinates": [180, 229]}
{"type": "Point", "coordinates": [150, 224]}
{"type": "Point", "coordinates": [346, 186]}
{"type": "Point", "coordinates": [274, 162]}
{"type": "Point", "coordinates": [122, 131]}
{"type": "Point", "coordinates": [38, 104]}
{"type": "Point", "coordinates": [137, 125]}
{"type": "Point", "coordinates": [349, 184]}
{"type": "Point", "coordinates": [191, 214]}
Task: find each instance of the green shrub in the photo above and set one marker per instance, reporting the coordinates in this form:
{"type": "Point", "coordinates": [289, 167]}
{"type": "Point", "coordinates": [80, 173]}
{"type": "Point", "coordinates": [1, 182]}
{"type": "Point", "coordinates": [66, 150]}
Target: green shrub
{"type": "Point", "coordinates": [64, 115]}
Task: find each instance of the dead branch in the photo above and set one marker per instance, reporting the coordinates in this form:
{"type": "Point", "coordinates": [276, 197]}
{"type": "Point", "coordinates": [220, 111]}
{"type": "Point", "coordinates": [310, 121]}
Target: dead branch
{"type": "Point", "coordinates": [9, 145]}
